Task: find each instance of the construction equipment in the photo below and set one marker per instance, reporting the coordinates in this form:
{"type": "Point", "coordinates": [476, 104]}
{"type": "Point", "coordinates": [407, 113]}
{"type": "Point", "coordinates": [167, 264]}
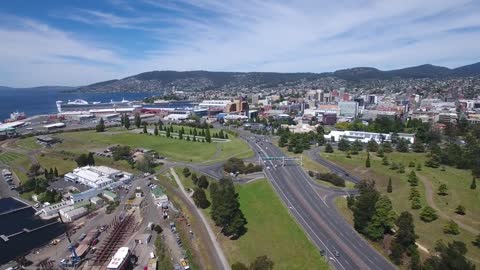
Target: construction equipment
{"type": "Point", "coordinates": [74, 259]}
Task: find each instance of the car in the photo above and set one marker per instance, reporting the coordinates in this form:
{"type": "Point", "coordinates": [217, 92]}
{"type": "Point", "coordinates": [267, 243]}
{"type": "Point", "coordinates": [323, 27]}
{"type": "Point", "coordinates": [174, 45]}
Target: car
{"type": "Point", "coordinates": [322, 252]}
{"type": "Point", "coordinates": [336, 253]}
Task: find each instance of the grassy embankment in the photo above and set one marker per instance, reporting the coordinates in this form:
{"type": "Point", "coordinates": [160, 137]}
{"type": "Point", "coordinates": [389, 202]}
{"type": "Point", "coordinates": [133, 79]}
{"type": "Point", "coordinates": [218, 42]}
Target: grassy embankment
{"type": "Point", "coordinates": [459, 192]}
{"type": "Point", "coordinates": [272, 231]}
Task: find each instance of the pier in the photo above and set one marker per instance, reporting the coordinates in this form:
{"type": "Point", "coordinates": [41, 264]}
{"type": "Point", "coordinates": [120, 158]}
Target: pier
{"type": "Point", "coordinates": [26, 230]}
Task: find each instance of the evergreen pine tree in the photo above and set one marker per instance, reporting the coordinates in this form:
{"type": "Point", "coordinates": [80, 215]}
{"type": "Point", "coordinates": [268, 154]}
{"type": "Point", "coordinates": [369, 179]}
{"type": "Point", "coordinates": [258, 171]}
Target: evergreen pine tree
{"type": "Point", "coordinates": [474, 183]}
{"type": "Point", "coordinates": [55, 172]}
{"type": "Point", "coordinates": [389, 187]}
{"type": "Point", "coordinates": [367, 162]}
{"type": "Point", "coordinates": [155, 131]}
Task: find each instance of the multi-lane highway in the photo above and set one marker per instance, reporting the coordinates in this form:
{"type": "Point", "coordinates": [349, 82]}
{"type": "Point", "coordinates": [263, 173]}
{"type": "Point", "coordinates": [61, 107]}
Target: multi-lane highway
{"type": "Point", "coordinates": [344, 247]}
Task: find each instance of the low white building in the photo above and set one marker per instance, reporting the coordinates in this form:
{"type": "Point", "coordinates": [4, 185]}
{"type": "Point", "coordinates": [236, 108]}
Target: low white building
{"type": "Point", "coordinates": [84, 196]}
{"type": "Point", "coordinates": [74, 214]}
{"type": "Point", "coordinates": [53, 209]}
{"type": "Point", "coordinates": [365, 137]}
{"type": "Point", "coordinates": [97, 176]}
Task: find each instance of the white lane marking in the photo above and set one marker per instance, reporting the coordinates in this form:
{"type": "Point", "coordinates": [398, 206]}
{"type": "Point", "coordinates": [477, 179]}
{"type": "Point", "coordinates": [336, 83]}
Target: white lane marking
{"type": "Point", "coordinates": [298, 213]}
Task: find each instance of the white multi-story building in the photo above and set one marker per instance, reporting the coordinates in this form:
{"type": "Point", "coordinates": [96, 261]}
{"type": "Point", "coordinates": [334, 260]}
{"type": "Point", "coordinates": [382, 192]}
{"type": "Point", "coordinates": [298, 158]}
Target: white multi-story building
{"type": "Point", "coordinates": [348, 108]}
{"type": "Point", "coordinates": [365, 137]}
{"type": "Point", "coordinates": [214, 104]}
{"type": "Point", "coordinates": [97, 176]}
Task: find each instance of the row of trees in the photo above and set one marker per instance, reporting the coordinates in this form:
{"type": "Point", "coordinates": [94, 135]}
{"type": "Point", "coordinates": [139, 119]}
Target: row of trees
{"type": "Point", "coordinates": [328, 177]}
{"type": "Point", "coordinates": [85, 159]}
{"type": "Point", "coordinates": [225, 209]}
{"type": "Point", "coordinates": [260, 263]}
{"type": "Point", "coordinates": [236, 165]}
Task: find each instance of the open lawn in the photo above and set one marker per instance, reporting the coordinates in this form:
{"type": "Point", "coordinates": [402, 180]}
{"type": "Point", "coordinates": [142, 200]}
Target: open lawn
{"type": "Point", "coordinates": [458, 182]}
{"type": "Point", "coordinates": [28, 143]}
{"type": "Point", "coordinates": [52, 161]}
{"type": "Point", "coordinates": [271, 231]}
{"type": "Point", "coordinates": [180, 150]}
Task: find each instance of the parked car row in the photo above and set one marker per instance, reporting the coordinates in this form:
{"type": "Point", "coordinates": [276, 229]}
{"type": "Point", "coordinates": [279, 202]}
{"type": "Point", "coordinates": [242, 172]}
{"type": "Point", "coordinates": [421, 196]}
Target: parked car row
{"type": "Point", "coordinates": [8, 176]}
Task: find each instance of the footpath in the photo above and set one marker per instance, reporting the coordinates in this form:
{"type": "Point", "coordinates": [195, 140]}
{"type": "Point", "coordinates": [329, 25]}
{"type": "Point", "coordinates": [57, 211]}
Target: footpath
{"type": "Point", "coordinates": [211, 234]}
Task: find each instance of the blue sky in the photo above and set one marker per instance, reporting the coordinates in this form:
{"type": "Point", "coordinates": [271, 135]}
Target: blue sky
{"type": "Point", "coordinates": [81, 42]}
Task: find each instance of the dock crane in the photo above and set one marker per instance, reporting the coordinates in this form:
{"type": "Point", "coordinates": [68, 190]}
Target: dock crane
{"type": "Point", "coordinates": [74, 259]}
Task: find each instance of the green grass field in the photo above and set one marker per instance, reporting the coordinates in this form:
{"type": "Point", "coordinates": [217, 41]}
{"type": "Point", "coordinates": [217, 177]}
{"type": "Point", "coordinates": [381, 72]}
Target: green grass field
{"type": "Point", "coordinates": [458, 182]}
{"type": "Point", "coordinates": [174, 149]}
{"type": "Point", "coordinates": [29, 143]}
{"type": "Point", "coordinates": [272, 231]}
{"type": "Point", "coordinates": [51, 161]}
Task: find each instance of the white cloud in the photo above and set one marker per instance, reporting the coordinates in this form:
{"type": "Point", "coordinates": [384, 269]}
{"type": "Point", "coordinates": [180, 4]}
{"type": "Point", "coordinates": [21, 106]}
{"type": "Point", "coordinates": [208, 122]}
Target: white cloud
{"type": "Point", "coordinates": [255, 35]}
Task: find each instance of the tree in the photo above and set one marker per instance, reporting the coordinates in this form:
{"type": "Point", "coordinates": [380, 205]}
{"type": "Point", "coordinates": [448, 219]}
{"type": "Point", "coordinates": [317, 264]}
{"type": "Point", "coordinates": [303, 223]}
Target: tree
{"type": "Point", "coordinates": [328, 148]}
{"type": "Point", "coordinates": [138, 120]}
{"type": "Point", "coordinates": [402, 145]}
{"type": "Point", "coordinates": [385, 161]}
{"type": "Point", "coordinates": [343, 145]}
{"type": "Point", "coordinates": [146, 164]}
{"type": "Point", "coordinates": [401, 168]}
{"type": "Point", "coordinates": [225, 211]}
{"type": "Point", "coordinates": [364, 207]}
{"type": "Point", "coordinates": [100, 126]}
{"type": "Point", "coordinates": [155, 131]}
{"type": "Point", "coordinates": [418, 147]}
{"type": "Point", "coordinates": [262, 263]}
{"type": "Point", "coordinates": [428, 214]}
{"type": "Point", "coordinates": [208, 137]}
{"type": "Point", "coordinates": [202, 182]}
{"type": "Point", "coordinates": [372, 146]}
{"type": "Point", "coordinates": [451, 228]}
{"type": "Point", "coordinates": [145, 129]}
{"type": "Point", "coordinates": [167, 133]}
{"type": "Point", "coordinates": [380, 152]}
{"type": "Point", "coordinates": [460, 210]}
{"type": "Point", "coordinates": [239, 266]}
{"type": "Point", "coordinates": [122, 120]}
{"type": "Point", "coordinates": [356, 147]}
{"type": "Point", "coordinates": [82, 160]}
{"type": "Point", "coordinates": [121, 152]}
{"type": "Point", "coordinates": [367, 162]}
{"type": "Point", "coordinates": [415, 203]}
{"type": "Point", "coordinates": [383, 220]}
{"type": "Point", "coordinates": [386, 147]}
{"type": "Point", "coordinates": [389, 186]}
{"type": "Point", "coordinates": [55, 172]}
{"type": "Point", "coordinates": [474, 183]}
{"type": "Point", "coordinates": [186, 172]}
{"type": "Point", "coordinates": [126, 122]}
{"type": "Point", "coordinates": [90, 159]}
{"type": "Point", "coordinates": [443, 190]}
{"type": "Point", "coordinates": [200, 198]}
{"type": "Point", "coordinates": [411, 164]}
{"type": "Point", "coordinates": [404, 237]}
{"type": "Point", "coordinates": [413, 179]}
{"type": "Point", "coordinates": [476, 242]}
{"type": "Point", "coordinates": [419, 167]}
{"type": "Point", "coordinates": [450, 256]}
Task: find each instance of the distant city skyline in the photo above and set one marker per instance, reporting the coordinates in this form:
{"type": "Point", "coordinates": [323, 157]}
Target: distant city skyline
{"type": "Point", "coordinates": [76, 43]}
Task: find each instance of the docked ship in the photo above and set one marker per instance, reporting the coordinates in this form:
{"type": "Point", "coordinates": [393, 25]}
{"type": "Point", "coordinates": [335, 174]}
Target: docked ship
{"type": "Point", "coordinates": [15, 116]}
{"type": "Point", "coordinates": [81, 105]}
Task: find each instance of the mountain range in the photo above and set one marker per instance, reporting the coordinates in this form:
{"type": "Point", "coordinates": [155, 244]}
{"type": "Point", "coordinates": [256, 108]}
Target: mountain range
{"type": "Point", "coordinates": [203, 80]}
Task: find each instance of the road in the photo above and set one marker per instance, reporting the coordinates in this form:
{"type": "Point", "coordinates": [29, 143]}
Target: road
{"type": "Point", "coordinates": [318, 215]}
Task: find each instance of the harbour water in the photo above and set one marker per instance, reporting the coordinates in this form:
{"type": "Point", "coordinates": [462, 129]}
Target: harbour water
{"type": "Point", "coordinates": [21, 226]}
{"type": "Point", "coordinates": [34, 101]}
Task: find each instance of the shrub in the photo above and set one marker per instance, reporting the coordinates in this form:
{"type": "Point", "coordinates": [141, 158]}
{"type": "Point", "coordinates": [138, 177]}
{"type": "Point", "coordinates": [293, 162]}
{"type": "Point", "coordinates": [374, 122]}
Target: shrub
{"type": "Point", "coordinates": [428, 214]}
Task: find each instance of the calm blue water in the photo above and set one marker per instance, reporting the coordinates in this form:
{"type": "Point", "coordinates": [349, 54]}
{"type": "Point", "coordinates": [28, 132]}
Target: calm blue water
{"type": "Point", "coordinates": [15, 222]}
{"type": "Point", "coordinates": [34, 102]}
